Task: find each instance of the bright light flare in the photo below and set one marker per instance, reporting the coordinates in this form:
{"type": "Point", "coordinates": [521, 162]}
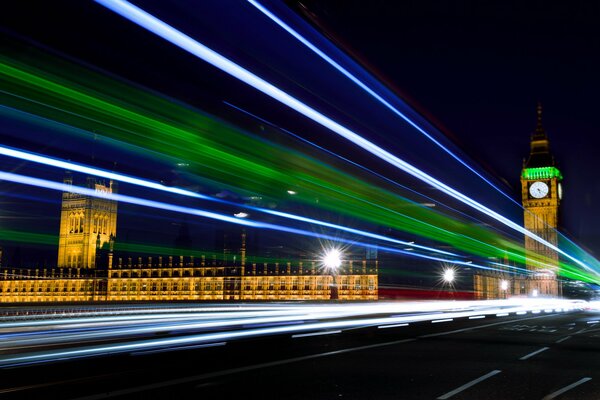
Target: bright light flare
{"type": "Point", "coordinates": [332, 259]}
{"type": "Point", "coordinates": [448, 275]}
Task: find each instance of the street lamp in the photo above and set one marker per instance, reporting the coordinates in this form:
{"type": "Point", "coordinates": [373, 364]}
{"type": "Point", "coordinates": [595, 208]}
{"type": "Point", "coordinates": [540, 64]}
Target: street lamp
{"type": "Point", "coordinates": [448, 275]}
{"type": "Point", "coordinates": [332, 260]}
{"type": "Point", "coordinates": [504, 287]}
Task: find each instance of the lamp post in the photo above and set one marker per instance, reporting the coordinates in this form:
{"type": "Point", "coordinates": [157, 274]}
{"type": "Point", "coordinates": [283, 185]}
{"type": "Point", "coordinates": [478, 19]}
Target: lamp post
{"type": "Point", "coordinates": [504, 288]}
{"type": "Point", "coordinates": [448, 275]}
{"type": "Point", "coordinates": [332, 260]}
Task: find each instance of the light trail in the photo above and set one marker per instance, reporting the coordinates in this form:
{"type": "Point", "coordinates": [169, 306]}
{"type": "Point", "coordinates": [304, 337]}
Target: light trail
{"type": "Point", "coordinates": [349, 161]}
{"type": "Point", "coordinates": [62, 187]}
{"type": "Point", "coordinates": [53, 162]}
{"type": "Point", "coordinates": [334, 317]}
{"type": "Point", "coordinates": [354, 202]}
{"type": "Point", "coordinates": [371, 92]}
{"type": "Point", "coordinates": [185, 42]}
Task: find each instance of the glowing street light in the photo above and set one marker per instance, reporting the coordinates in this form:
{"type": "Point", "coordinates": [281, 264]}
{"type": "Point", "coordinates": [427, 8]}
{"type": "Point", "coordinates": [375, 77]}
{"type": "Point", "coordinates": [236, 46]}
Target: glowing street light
{"type": "Point", "coordinates": [448, 275]}
{"type": "Point", "coordinates": [332, 260]}
{"type": "Point", "coordinates": [504, 287]}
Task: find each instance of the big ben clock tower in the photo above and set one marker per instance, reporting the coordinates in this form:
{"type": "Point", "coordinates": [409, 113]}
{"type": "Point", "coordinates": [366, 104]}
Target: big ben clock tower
{"type": "Point", "coordinates": [541, 192]}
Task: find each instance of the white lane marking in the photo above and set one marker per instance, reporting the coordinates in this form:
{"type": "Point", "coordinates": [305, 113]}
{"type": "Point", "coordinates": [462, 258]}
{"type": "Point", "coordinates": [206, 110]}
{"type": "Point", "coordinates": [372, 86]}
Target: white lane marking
{"type": "Point", "coordinates": [469, 384]}
{"type": "Point", "coordinates": [502, 314]}
{"type": "Point", "coordinates": [300, 335]}
{"type": "Point", "coordinates": [566, 388]}
{"type": "Point", "coordinates": [534, 353]}
{"type": "Point", "coordinates": [521, 312]}
{"type": "Point", "coordinates": [593, 322]}
{"type": "Point", "coordinates": [179, 348]}
{"type": "Point", "coordinates": [435, 321]}
{"type": "Point", "coordinates": [480, 326]}
{"type": "Point", "coordinates": [563, 339]}
{"type": "Point", "coordinates": [209, 375]}
{"type": "Point", "coordinates": [477, 317]}
{"type": "Point", "coordinates": [391, 326]}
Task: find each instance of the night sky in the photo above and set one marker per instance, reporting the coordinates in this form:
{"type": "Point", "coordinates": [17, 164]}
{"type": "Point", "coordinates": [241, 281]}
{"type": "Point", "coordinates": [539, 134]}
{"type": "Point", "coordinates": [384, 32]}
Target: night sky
{"type": "Point", "coordinates": [474, 69]}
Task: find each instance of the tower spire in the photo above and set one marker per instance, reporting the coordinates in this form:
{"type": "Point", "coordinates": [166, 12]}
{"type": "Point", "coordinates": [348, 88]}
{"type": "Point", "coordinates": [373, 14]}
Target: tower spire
{"type": "Point", "coordinates": [540, 147]}
{"type": "Point", "coordinates": [539, 128]}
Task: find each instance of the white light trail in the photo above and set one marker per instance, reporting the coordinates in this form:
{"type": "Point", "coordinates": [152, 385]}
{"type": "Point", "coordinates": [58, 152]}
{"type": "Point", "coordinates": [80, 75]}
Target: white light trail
{"type": "Point", "coordinates": [185, 42]}
{"type": "Point", "coordinates": [334, 318]}
{"type": "Point", "coordinates": [71, 166]}
{"type": "Point", "coordinates": [370, 91]}
{"type": "Point", "coordinates": [28, 180]}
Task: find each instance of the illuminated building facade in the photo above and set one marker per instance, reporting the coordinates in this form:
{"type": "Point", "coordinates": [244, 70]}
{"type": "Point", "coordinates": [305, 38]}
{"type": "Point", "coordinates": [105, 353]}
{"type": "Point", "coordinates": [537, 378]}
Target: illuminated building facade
{"type": "Point", "coordinates": [157, 281]}
{"type": "Point", "coordinates": [89, 270]}
{"type": "Point", "coordinates": [541, 193]}
{"type": "Point", "coordinates": [86, 224]}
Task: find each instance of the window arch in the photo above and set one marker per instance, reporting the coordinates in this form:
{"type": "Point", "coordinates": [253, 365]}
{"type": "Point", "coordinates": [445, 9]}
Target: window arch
{"type": "Point", "coordinates": [81, 219]}
{"type": "Point", "coordinates": [71, 222]}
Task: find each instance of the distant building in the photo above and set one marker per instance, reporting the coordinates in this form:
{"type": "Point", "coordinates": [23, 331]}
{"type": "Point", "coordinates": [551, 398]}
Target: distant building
{"type": "Point", "coordinates": [541, 193]}
{"type": "Point", "coordinates": [90, 270]}
{"type": "Point", "coordinates": [86, 223]}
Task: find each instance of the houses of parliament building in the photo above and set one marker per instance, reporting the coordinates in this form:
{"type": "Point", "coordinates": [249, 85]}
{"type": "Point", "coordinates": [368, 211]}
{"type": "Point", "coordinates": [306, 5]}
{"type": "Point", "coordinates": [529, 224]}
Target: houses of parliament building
{"type": "Point", "coordinates": [89, 270]}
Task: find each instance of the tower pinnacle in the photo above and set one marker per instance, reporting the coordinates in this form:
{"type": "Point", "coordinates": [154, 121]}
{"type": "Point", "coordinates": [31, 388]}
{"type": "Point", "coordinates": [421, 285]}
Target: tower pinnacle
{"type": "Point", "coordinates": [539, 155]}
{"type": "Point", "coordinates": [539, 128]}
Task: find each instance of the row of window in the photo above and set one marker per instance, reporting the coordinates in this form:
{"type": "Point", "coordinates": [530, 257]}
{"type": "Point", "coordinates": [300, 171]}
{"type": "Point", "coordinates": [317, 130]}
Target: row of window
{"type": "Point", "coordinates": [76, 222]}
{"type": "Point", "coordinates": [100, 223]}
{"type": "Point", "coordinates": [133, 286]}
{"type": "Point", "coordinates": [74, 260]}
{"type": "Point", "coordinates": [46, 289]}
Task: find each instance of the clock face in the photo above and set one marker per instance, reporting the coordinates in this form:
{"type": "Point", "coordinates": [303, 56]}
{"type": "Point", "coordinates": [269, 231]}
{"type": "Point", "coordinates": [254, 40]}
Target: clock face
{"type": "Point", "coordinates": [538, 190]}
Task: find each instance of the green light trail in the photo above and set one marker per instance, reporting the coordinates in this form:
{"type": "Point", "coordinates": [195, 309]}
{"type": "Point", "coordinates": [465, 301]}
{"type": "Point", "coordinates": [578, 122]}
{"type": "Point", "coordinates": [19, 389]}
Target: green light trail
{"type": "Point", "coordinates": [219, 152]}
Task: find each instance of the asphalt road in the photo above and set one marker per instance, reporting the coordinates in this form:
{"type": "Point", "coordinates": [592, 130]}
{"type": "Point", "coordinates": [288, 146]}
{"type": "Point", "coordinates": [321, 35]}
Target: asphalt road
{"type": "Point", "coordinates": [542, 356]}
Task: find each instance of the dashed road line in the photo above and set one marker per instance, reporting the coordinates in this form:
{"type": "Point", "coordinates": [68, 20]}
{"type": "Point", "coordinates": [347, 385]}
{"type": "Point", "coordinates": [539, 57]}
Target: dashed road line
{"type": "Point", "coordinates": [563, 339]}
{"type": "Point", "coordinates": [480, 326]}
{"type": "Point", "coordinates": [321, 333]}
{"type": "Point", "coordinates": [534, 353]}
{"type": "Point", "coordinates": [469, 384]}
{"type": "Point", "coordinates": [566, 388]}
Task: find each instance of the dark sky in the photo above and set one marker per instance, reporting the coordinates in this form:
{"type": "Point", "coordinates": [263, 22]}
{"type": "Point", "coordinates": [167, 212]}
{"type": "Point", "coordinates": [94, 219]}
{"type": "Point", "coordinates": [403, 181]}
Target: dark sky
{"type": "Point", "coordinates": [475, 69]}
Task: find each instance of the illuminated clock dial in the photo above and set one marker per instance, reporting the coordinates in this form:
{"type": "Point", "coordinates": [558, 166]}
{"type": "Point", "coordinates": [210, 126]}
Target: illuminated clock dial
{"type": "Point", "coordinates": [538, 190]}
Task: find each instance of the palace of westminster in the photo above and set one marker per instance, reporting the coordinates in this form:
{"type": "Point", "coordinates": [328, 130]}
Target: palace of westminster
{"type": "Point", "coordinates": [89, 269]}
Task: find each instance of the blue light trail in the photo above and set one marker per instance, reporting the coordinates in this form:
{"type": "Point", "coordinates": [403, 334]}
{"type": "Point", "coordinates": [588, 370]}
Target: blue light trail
{"type": "Point", "coordinates": [63, 187]}
{"type": "Point", "coordinates": [185, 42]}
{"type": "Point", "coordinates": [53, 162]}
{"type": "Point", "coordinates": [371, 92]}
